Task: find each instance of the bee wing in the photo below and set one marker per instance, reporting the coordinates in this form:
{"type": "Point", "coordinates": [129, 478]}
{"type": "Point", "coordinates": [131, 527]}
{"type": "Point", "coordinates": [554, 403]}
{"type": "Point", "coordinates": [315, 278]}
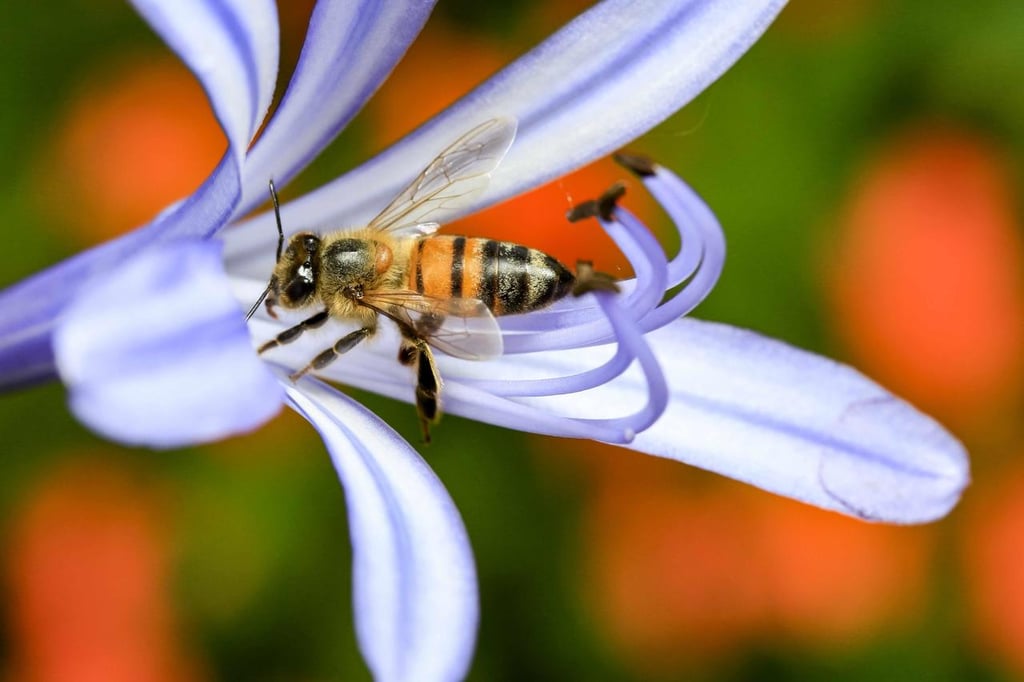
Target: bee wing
{"type": "Point", "coordinates": [450, 182]}
{"type": "Point", "coordinates": [461, 327]}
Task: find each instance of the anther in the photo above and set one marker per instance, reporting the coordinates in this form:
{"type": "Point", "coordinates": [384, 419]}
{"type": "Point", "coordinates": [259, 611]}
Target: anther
{"type": "Point", "coordinates": [588, 279]}
{"type": "Point", "coordinates": [602, 207]}
{"type": "Point", "coordinates": [636, 163]}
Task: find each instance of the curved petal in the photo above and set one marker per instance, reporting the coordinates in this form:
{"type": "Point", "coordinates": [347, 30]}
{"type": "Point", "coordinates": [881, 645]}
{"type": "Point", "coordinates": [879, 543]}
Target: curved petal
{"type": "Point", "coordinates": [30, 308]}
{"type": "Point", "coordinates": [782, 419]}
{"type": "Point", "coordinates": [158, 353]}
{"type": "Point", "coordinates": [414, 578]}
{"type": "Point", "coordinates": [350, 49]}
{"type": "Point", "coordinates": [232, 48]}
{"type": "Point", "coordinates": [601, 81]}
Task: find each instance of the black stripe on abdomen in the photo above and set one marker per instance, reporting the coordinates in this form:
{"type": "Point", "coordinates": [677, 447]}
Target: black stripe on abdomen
{"type": "Point", "coordinates": [514, 290]}
{"type": "Point", "coordinates": [488, 286]}
{"type": "Point", "coordinates": [419, 265]}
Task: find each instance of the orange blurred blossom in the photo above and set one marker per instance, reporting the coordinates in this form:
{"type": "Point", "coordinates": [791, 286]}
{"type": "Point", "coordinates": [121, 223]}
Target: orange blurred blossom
{"type": "Point", "coordinates": [137, 137]}
{"type": "Point", "coordinates": [680, 573]}
{"type": "Point", "coordinates": [927, 279]}
{"type": "Point", "coordinates": [88, 578]}
{"type": "Point", "coordinates": [993, 552]}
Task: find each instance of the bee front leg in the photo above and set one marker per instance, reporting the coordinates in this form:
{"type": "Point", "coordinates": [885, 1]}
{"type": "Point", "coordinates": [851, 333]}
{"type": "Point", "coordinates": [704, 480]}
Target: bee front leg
{"type": "Point", "coordinates": [428, 386]}
{"type": "Point", "coordinates": [343, 345]}
{"type": "Point", "coordinates": [292, 333]}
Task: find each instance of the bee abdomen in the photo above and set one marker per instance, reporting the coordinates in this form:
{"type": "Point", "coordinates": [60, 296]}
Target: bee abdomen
{"type": "Point", "coordinates": [507, 277]}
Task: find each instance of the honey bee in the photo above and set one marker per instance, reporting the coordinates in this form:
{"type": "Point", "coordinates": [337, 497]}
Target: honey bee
{"type": "Point", "coordinates": [441, 291]}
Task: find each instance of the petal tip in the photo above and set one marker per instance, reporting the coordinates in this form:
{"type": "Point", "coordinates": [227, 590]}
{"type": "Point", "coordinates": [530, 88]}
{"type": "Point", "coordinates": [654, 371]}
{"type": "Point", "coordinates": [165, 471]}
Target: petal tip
{"type": "Point", "coordinates": [908, 469]}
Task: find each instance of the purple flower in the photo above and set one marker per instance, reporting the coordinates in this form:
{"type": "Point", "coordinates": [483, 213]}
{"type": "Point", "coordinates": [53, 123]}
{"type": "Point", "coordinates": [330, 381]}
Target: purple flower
{"type": "Point", "coordinates": [148, 331]}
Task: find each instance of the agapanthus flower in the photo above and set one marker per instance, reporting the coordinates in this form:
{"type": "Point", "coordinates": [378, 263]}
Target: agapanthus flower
{"type": "Point", "coordinates": [148, 332]}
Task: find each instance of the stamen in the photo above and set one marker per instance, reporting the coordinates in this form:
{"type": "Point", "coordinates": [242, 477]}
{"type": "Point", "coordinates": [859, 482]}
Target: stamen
{"type": "Point", "coordinates": [478, 402]}
{"type": "Point", "coordinates": [603, 207]}
{"type": "Point", "coordinates": [652, 280]}
{"type": "Point", "coordinates": [641, 166]}
{"type": "Point", "coordinates": [630, 337]}
{"type": "Point", "coordinates": [550, 331]}
{"type": "Point", "coordinates": [632, 345]}
{"type": "Point", "coordinates": [685, 207]}
{"type": "Point", "coordinates": [698, 263]}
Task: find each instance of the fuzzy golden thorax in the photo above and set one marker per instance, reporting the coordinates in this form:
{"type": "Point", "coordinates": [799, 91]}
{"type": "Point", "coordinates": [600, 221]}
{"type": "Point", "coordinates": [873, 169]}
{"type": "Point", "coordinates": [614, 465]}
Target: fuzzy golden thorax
{"type": "Point", "coordinates": [336, 270]}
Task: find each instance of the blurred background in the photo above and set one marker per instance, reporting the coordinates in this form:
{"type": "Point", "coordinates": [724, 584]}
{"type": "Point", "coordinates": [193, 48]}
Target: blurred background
{"type": "Point", "coordinates": [865, 161]}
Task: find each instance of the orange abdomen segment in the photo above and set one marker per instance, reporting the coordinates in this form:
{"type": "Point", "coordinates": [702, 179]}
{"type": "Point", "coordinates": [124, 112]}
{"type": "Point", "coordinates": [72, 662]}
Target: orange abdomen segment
{"type": "Point", "coordinates": [507, 277]}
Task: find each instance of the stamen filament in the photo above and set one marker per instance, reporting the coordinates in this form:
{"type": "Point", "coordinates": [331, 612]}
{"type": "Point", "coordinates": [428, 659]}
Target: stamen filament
{"type": "Point", "coordinates": [686, 208]}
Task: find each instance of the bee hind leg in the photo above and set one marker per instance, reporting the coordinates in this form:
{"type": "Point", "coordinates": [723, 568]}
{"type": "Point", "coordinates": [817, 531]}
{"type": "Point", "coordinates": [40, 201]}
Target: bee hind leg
{"type": "Point", "coordinates": [292, 333]}
{"type": "Point", "coordinates": [343, 345]}
{"type": "Point", "coordinates": [428, 387]}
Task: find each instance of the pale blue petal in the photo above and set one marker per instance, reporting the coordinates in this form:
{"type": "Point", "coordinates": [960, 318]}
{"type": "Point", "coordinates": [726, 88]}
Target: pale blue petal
{"type": "Point", "coordinates": [801, 425]}
{"type": "Point", "coordinates": [350, 49]}
{"type": "Point", "coordinates": [739, 404]}
{"type": "Point", "coordinates": [766, 413]}
{"type": "Point", "coordinates": [157, 352]}
{"type": "Point", "coordinates": [604, 79]}
{"type": "Point", "coordinates": [232, 48]}
{"type": "Point", "coordinates": [414, 579]}
{"type": "Point", "coordinates": [30, 308]}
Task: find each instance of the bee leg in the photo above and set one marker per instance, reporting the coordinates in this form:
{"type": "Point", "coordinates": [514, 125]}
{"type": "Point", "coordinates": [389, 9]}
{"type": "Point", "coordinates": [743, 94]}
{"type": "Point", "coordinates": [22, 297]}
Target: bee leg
{"type": "Point", "coordinates": [408, 352]}
{"type": "Point", "coordinates": [343, 345]}
{"type": "Point", "coordinates": [589, 279]}
{"type": "Point", "coordinates": [428, 386]}
{"type": "Point", "coordinates": [292, 333]}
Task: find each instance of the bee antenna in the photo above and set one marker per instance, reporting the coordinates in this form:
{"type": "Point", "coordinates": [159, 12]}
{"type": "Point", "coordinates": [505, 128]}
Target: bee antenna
{"type": "Point", "coordinates": [280, 245]}
{"type": "Point", "coordinates": [252, 310]}
{"type": "Point", "coordinates": [277, 216]}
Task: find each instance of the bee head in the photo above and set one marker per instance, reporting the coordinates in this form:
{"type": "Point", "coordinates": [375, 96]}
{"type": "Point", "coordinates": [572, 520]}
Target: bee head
{"type": "Point", "coordinates": [294, 281]}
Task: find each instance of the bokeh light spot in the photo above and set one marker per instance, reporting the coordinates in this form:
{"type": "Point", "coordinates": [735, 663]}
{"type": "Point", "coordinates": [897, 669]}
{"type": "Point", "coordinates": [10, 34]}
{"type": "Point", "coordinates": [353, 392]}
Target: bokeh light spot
{"type": "Point", "coordinates": [88, 572]}
{"type": "Point", "coordinates": [138, 136]}
{"type": "Point", "coordinates": [927, 278]}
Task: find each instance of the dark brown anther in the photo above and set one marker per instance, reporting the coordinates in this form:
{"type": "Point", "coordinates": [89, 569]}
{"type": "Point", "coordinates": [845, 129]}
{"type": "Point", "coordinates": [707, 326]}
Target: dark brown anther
{"type": "Point", "coordinates": [588, 279]}
{"type": "Point", "coordinates": [602, 207]}
{"type": "Point", "coordinates": [636, 163]}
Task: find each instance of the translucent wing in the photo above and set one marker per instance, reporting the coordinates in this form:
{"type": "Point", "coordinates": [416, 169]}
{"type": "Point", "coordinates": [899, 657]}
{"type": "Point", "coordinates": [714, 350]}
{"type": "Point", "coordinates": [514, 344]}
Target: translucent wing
{"type": "Point", "coordinates": [449, 182]}
{"type": "Point", "coordinates": [461, 327]}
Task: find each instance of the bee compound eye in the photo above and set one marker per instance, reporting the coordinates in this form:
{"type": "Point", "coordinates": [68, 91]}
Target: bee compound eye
{"type": "Point", "coordinates": [298, 289]}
